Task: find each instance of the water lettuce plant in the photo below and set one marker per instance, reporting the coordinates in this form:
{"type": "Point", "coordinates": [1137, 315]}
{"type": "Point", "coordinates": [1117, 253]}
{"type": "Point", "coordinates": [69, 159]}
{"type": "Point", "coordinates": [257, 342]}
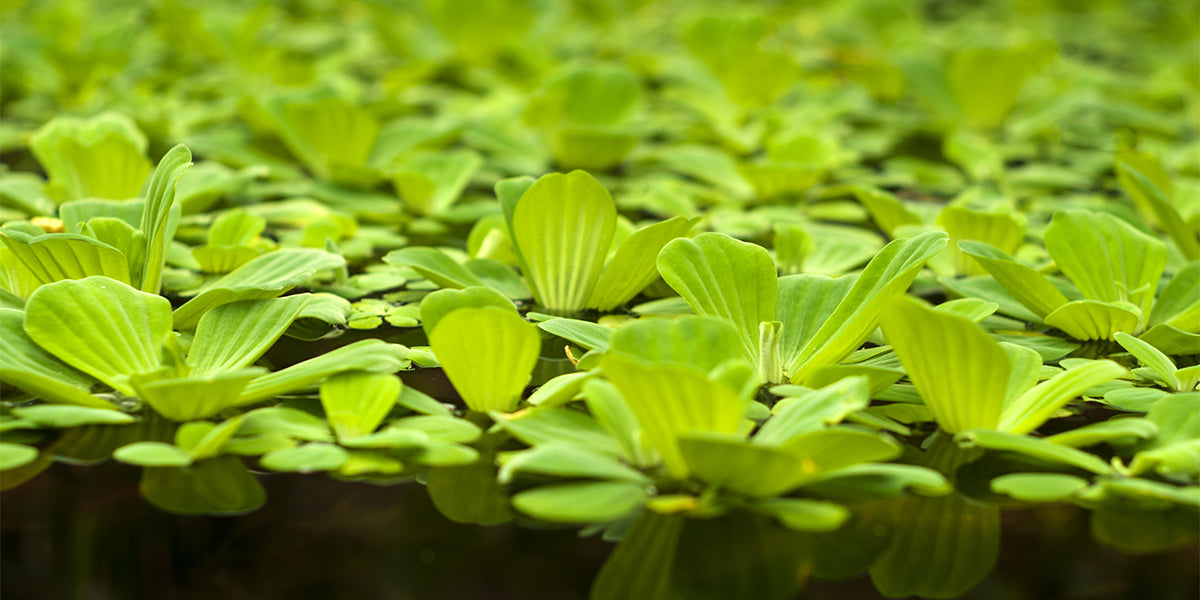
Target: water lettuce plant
{"type": "Point", "coordinates": [795, 289]}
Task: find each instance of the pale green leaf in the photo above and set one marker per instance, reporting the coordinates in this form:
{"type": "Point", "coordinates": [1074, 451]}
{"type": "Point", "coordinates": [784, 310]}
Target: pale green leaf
{"type": "Point", "coordinates": [16, 455]}
{"type": "Point", "coordinates": [44, 259]}
{"type": "Point", "coordinates": [581, 502]}
{"type": "Point", "coordinates": [356, 402]}
{"type": "Point", "coordinates": [563, 225]}
{"type": "Point", "coordinates": [1150, 356]}
{"type": "Point", "coordinates": [152, 454]}
{"type": "Point", "coordinates": [567, 461]}
{"type": "Point", "coordinates": [101, 327]}
{"type": "Point", "coordinates": [315, 456]}
{"type": "Point", "coordinates": [234, 335]}
{"type": "Point", "coordinates": [886, 277]}
{"type": "Point", "coordinates": [438, 304]}
{"type": "Point", "coordinates": [1035, 406]}
{"type": "Point", "coordinates": [434, 265]}
{"type": "Point", "coordinates": [1029, 287]}
{"type": "Point", "coordinates": [723, 277]}
{"type": "Point", "coordinates": [633, 267]}
{"type": "Point", "coordinates": [961, 373]}
{"type": "Point", "coordinates": [160, 196]}
{"type": "Point", "coordinates": [1038, 487]}
{"type": "Point", "coordinates": [188, 398]}
{"type": "Point", "coordinates": [802, 514]}
{"type": "Point", "coordinates": [1094, 320]}
{"type": "Point", "coordinates": [488, 353]}
{"type": "Point", "coordinates": [1033, 447]}
{"type": "Point", "coordinates": [371, 355]}
{"type": "Point", "coordinates": [62, 416]}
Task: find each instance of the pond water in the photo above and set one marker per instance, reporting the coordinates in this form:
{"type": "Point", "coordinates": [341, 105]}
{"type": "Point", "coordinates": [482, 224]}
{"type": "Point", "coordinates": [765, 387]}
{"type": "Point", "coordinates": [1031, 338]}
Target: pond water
{"type": "Point", "coordinates": [86, 532]}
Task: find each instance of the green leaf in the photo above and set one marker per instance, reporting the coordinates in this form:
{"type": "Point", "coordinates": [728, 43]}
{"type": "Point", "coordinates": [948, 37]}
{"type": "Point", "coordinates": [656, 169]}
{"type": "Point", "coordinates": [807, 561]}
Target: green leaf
{"type": "Point", "coordinates": [734, 464]}
{"type": "Point", "coordinates": [1177, 303]}
{"type": "Point", "coordinates": [440, 428]}
{"type": "Point", "coordinates": [839, 447]}
{"type": "Point", "coordinates": [1033, 447]}
{"type": "Point", "coordinates": [100, 157]}
{"type": "Point", "coordinates": [700, 342]}
{"type": "Point", "coordinates": [670, 400]}
{"type": "Point", "coordinates": [961, 373]}
{"type": "Point", "coordinates": [581, 502]}
{"type": "Point", "coordinates": [567, 461]}
{"type": "Point", "coordinates": [62, 416]}
{"type": "Point", "coordinates": [330, 135]}
{"type": "Point", "coordinates": [813, 410]}
{"type": "Point", "coordinates": [307, 458]}
{"type": "Point", "coordinates": [234, 335]}
{"type": "Point", "coordinates": [1147, 194]}
{"type": "Point", "coordinates": [270, 275]}
{"type": "Point", "coordinates": [886, 210]}
{"type": "Point", "coordinates": [985, 80]}
{"type": "Point", "coordinates": [195, 397]}
{"type": "Point", "coordinates": [488, 354]}
{"type": "Point", "coordinates": [434, 265]}
{"type": "Point", "coordinates": [725, 278]}
{"type": "Point", "coordinates": [633, 267]}
{"type": "Point", "coordinates": [838, 249]}
{"type": "Point", "coordinates": [557, 426]}
{"type": "Point", "coordinates": [16, 455]}
{"type": "Point", "coordinates": [1150, 356]}
{"type": "Point", "coordinates": [1037, 405]}
{"type": "Point", "coordinates": [804, 303]}
{"type": "Point", "coordinates": [563, 225]}
{"type": "Point", "coordinates": [438, 304]}
{"type": "Point", "coordinates": [279, 420]}
{"type": "Point", "coordinates": [160, 196]}
{"type": "Point", "coordinates": [586, 334]}
{"type": "Point", "coordinates": [612, 413]}
{"type": "Point", "coordinates": [879, 480]}
{"type": "Point", "coordinates": [29, 264]}
{"type": "Point", "coordinates": [1038, 487]}
{"type": "Point", "coordinates": [1029, 287]}
{"type": "Point", "coordinates": [101, 327]}
{"type": "Point", "coordinates": [887, 276]}
{"type": "Point", "coordinates": [802, 514]}
{"type": "Point", "coordinates": [205, 439]}
{"type": "Point", "coordinates": [469, 493]}
{"type": "Point", "coordinates": [28, 367]}
{"type": "Point", "coordinates": [152, 454]}
{"type": "Point", "coordinates": [1002, 231]}
{"type": "Point", "coordinates": [429, 182]}
{"type": "Point", "coordinates": [1105, 257]}
{"type": "Point", "coordinates": [1116, 430]}
{"type": "Point", "coordinates": [1094, 320]}
{"type": "Point", "coordinates": [356, 402]}
{"type": "Point", "coordinates": [371, 355]}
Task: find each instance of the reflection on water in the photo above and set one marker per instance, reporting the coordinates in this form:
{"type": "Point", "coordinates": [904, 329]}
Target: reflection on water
{"type": "Point", "coordinates": [87, 533]}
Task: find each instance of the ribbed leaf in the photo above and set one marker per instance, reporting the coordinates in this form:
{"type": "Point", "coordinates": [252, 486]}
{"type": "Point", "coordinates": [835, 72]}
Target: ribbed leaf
{"type": "Point", "coordinates": [961, 373]}
{"type": "Point", "coordinates": [101, 327]}
{"type": "Point", "coordinates": [1105, 257]}
{"type": "Point", "coordinates": [699, 342]}
{"type": "Point", "coordinates": [188, 398]}
{"type": "Point", "coordinates": [640, 566]}
{"type": "Point", "coordinates": [1035, 406]}
{"type": "Point", "coordinates": [1002, 231]}
{"type": "Point", "coordinates": [1034, 447]}
{"type": "Point", "coordinates": [488, 354]}
{"type": "Point", "coordinates": [434, 265]}
{"type": "Point", "coordinates": [734, 464]}
{"type": "Point", "coordinates": [586, 334]}
{"type": "Point", "coordinates": [1151, 357]}
{"type": "Point", "coordinates": [669, 400]}
{"type": "Point", "coordinates": [836, 448]}
{"type": "Point", "coordinates": [563, 225]}
{"type": "Point", "coordinates": [1029, 287]}
{"type": "Point", "coordinates": [234, 335]}
{"type": "Point", "coordinates": [28, 367]}
{"type": "Point", "coordinates": [438, 304]}
{"type": "Point", "coordinates": [429, 182]}
{"type": "Point", "coordinates": [356, 402]}
{"type": "Point", "coordinates": [1147, 194]}
{"type": "Point", "coordinates": [886, 209]}
{"type": "Point", "coordinates": [100, 157]}
{"type": "Point", "coordinates": [371, 355]}
{"type": "Point", "coordinates": [619, 423]}
{"type": "Point", "coordinates": [581, 502]}
{"type": "Point", "coordinates": [1094, 320]}
{"type": "Point", "coordinates": [44, 259]}
{"type": "Point", "coordinates": [1178, 304]}
{"type": "Point", "coordinates": [796, 416]}
{"type": "Point", "coordinates": [331, 136]}
{"type": "Point", "coordinates": [160, 196]}
{"type": "Point", "coordinates": [804, 303]}
{"type": "Point", "coordinates": [887, 276]}
{"type": "Point", "coordinates": [722, 277]}
{"type": "Point", "coordinates": [268, 276]}
{"type": "Point", "coordinates": [562, 460]}
{"type": "Point", "coordinates": [632, 268]}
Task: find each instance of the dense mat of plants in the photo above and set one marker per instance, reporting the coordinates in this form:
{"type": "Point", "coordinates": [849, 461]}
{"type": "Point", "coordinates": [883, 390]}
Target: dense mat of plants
{"type": "Point", "coordinates": [675, 259]}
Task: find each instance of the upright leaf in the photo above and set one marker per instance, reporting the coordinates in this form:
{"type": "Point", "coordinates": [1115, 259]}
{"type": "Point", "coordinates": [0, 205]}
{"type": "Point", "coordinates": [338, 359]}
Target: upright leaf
{"type": "Point", "coordinates": [160, 195]}
{"type": "Point", "coordinates": [488, 354]}
{"type": "Point", "coordinates": [723, 277]}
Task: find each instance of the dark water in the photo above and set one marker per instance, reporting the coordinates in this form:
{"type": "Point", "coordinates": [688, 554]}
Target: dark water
{"type": "Point", "coordinates": [85, 532]}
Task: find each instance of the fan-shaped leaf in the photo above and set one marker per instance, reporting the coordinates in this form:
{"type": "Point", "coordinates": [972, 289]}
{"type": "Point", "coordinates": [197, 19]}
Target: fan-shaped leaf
{"type": "Point", "coordinates": [488, 354]}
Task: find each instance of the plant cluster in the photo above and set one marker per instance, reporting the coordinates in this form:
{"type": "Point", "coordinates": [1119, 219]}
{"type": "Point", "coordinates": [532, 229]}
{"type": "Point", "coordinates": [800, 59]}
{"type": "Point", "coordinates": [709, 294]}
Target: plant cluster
{"type": "Point", "coordinates": [675, 261]}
